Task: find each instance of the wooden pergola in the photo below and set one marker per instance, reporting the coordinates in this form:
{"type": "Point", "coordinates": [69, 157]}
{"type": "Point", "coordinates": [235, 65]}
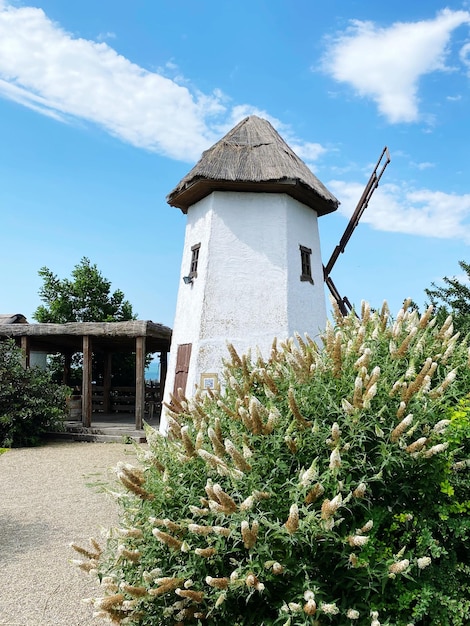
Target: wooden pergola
{"type": "Point", "coordinates": [136, 336]}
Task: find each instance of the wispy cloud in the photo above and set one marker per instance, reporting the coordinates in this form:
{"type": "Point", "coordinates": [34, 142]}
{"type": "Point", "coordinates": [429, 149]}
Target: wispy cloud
{"type": "Point", "coordinates": [106, 36]}
{"type": "Point", "coordinates": [424, 165]}
{"type": "Point", "coordinates": [47, 69]}
{"type": "Point", "coordinates": [409, 211]}
{"type": "Point", "coordinates": [465, 56]}
{"type": "Point", "coordinates": [386, 64]}
{"type": "Point", "coordinates": [44, 67]}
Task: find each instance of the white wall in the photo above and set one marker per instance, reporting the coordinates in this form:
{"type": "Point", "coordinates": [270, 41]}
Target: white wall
{"type": "Point", "coordinates": [190, 297]}
{"type": "Point", "coordinates": [307, 307]}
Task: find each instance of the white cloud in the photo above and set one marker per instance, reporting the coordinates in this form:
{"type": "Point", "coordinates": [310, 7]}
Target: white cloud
{"type": "Point", "coordinates": [424, 165]}
{"type": "Point", "coordinates": [32, 101]}
{"type": "Point", "coordinates": [419, 212]}
{"type": "Point", "coordinates": [385, 64]}
{"type": "Point", "coordinates": [465, 54]}
{"type": "Point", "coordinates": [56, 74]}
{"type": "Point", "coordinates": [47, 69]}
{"type": "Point", "coordinates": [105, 36]}
{"type": "Point", "coordinates": [308, 151]}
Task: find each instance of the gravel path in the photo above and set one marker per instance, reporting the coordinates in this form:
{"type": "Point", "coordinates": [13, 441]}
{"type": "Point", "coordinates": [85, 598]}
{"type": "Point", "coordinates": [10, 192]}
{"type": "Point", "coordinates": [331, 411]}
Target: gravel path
{"type": "Point", "coordinates": [50, 496]}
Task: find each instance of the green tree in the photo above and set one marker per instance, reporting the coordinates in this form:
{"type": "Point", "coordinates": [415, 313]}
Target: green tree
{"type": "Point", "coordinates": [453, 298]}
{"type": "Point", "coordinates": [85, 297]}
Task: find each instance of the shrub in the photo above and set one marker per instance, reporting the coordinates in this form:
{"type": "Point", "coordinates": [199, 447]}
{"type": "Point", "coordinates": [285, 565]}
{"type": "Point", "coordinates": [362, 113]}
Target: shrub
{"type": "Point", "coordinates": [30, 403]}
{"type": "Point", "coordinates": [324, 486]}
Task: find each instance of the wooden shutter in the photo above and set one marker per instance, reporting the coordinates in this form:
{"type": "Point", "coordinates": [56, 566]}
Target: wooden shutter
{"type": "Point", "coordinates": [182, 367]}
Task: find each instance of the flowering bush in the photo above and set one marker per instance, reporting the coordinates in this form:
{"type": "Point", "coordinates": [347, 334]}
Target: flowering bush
{"type": "Point", "coordinates": [324, 486]}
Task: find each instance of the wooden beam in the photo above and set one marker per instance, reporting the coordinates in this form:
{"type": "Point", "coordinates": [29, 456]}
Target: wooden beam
{"type": "Point", "coordinates": [67, 366]}
{"type": "Point", "coordinates": [108, 358]}
{"type": "Point", "coordinates": [139, 381]}
{"type": "Point", "coordinates": [25, 348]}
{"type": "Point", "coordinates": [86, 383]}
{"type": "Point", "coordinates": [163, 371]}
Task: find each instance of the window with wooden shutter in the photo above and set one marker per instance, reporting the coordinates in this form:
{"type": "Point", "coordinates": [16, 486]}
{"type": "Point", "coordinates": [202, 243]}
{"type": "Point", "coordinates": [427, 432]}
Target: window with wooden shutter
{"type": "Point", "coordinates": [183, 357]}
{"type": "Point", "coordinates": [194, 260]}
{"type": "Point", "coordinates": [306, 264]}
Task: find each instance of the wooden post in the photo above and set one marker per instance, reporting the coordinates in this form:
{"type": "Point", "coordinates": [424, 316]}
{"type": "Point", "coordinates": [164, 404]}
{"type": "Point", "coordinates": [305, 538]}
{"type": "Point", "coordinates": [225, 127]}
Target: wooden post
{"type": "Point", "coordinates": [86, 383]}
{"type": "Point", "coordinates": [25, 347]}
{"type": "Point", "coordinates": [163, 371]}
{"type": "Point", "coordinates": [139, 381]}
{"type": "Point", "coordinates": [67, 366]}
{"type": "Point", "coordinates": [108, 357]}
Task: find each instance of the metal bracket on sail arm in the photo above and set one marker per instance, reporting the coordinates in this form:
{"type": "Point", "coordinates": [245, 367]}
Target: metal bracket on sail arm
{"type": "Point", "coordinates": [371, 186]}
{"type": "Point", "coordinates": [343, 303]}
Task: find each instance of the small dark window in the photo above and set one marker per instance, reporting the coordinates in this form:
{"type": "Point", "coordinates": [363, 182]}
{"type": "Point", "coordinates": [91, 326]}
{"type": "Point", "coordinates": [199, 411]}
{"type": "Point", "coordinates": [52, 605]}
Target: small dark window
{"type": "Point", "coordinates": [194, 260]}
{"type": "Point", "coordinates": [306, 264]}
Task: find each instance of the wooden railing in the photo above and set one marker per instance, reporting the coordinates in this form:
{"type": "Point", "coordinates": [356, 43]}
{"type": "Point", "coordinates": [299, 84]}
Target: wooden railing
{"type": "Point", "coordinates": [122, 399]}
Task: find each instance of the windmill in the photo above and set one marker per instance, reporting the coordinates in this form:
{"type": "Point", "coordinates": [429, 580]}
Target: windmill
{"type": "Point", "coordinates": [252, 209]}
{"type": "Point", "coordinates": [343, 303]}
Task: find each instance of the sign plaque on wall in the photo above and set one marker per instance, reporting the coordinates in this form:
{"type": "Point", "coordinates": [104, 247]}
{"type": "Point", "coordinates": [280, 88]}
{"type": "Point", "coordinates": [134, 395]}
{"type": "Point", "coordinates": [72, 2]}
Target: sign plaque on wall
{"type": "Point", "coordinates": [210, 381]}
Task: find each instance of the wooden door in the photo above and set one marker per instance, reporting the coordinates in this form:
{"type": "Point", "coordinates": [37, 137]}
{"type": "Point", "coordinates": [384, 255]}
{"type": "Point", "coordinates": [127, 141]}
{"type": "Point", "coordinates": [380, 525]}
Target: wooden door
{"type": "Point", "coordinates": [183, 356]}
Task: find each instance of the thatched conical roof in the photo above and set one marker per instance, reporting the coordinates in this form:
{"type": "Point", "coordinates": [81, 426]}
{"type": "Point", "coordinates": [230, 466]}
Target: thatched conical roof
{"type": "Point", "coordinates": [252, 157]}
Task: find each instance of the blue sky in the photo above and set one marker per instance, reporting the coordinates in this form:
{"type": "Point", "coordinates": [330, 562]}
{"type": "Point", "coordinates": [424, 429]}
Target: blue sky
{"type": "Point", "coordinates": [105, 106]}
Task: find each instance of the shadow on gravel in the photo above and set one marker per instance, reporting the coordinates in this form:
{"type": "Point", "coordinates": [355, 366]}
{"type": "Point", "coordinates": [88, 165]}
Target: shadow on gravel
{"type": "Point", "coordinates": [18, 536]}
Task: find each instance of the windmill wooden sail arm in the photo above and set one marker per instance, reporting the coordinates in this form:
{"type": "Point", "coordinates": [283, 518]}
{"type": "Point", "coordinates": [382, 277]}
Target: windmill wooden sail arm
{"type": "Point", "coordinates": [363, 203]}
{"type": "Point", "coordinates": [343, 303]}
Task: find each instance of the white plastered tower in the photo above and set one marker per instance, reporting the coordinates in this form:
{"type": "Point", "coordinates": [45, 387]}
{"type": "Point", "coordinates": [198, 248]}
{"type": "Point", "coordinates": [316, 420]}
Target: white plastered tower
{"type": "Point", "coordinates": [251, 269]}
